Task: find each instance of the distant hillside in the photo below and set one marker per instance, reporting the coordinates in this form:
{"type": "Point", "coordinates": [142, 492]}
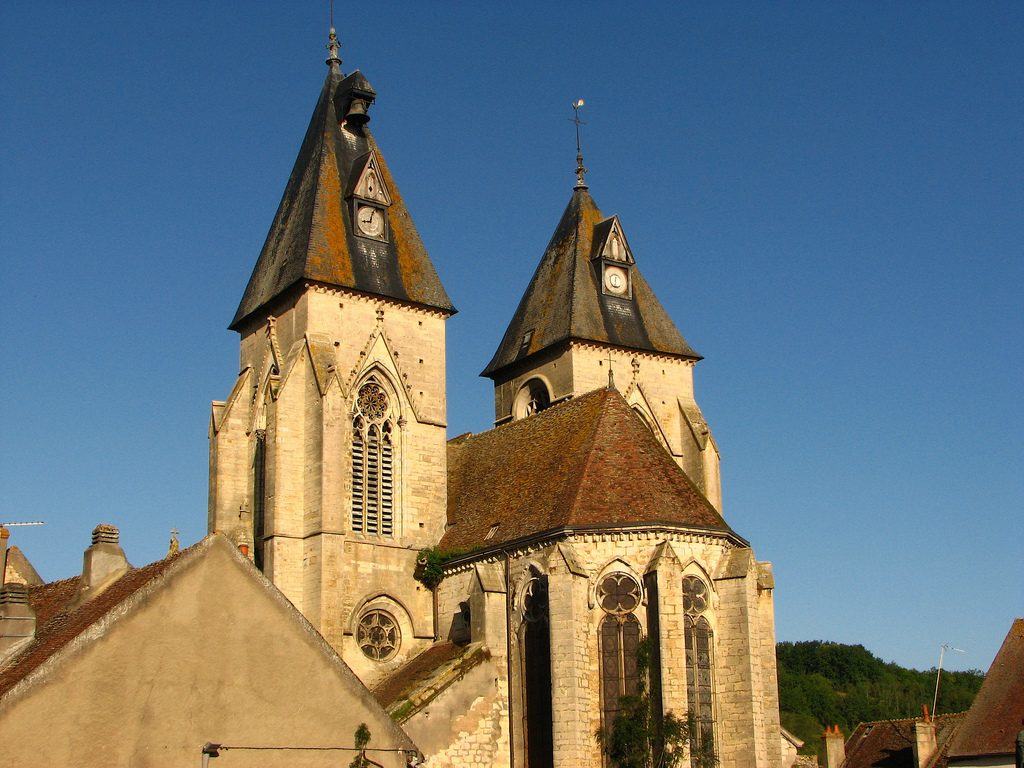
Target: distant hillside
{"type": "Point", "coordinates": [829, 683]}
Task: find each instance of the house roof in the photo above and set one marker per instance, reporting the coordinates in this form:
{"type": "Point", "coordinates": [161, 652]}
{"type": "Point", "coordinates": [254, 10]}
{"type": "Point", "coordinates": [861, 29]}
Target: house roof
{"type": "Point", "coordinates": [59, 621]}
{"type": "Point", "coordinates": [589, 462]}
{"type": "Point", "coordinates": [312, 239]}
{"type": "Point", "coordinates": [997, 714]}
{"type": "Point", "coordinates": [565, 301]}
{"type": "Point", "coordinates": [890, 743]}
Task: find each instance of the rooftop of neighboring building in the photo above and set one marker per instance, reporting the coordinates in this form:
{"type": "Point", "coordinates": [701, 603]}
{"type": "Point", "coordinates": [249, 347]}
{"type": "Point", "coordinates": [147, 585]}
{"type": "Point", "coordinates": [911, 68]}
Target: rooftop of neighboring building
{"type": "Point", "coordinates": [890, 743]}
{"type": "Point", "coordinates": [997, 714]}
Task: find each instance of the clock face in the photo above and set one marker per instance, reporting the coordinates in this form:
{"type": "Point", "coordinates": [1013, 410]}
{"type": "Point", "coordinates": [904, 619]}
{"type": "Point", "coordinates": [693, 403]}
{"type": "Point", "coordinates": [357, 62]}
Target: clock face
{"type": "Point", "coordinates": [616, 281]}
{"type": "Point", "coordinates": [370, 221]}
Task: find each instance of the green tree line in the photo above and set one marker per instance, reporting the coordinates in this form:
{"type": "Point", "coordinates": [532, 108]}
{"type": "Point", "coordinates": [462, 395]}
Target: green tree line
{"type": "Point", "coordinates": [823, 684]}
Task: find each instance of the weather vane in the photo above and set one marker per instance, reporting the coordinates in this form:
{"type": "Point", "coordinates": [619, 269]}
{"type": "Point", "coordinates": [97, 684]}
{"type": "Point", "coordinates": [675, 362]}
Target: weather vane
{"type": "Point", "coordinates": [581, 171]}
{"type": "Point", "coordinates": [333, 46]}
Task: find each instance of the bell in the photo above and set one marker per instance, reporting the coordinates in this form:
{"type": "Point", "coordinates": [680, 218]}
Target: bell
{"type": "Point", "coordinates": [357, 112]}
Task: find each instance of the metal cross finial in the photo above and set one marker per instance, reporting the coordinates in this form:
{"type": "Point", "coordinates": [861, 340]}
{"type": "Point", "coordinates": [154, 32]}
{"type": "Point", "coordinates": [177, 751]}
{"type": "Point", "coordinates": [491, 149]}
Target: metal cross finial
{"type": "Point", "coordinates": [611, 373]}
{"type": "Point", "coordinates": [581, 171]}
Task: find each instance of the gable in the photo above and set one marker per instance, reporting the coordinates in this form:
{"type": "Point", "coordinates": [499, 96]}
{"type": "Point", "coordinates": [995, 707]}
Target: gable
{"type": "Point", "coordinates": [368, 182]}
{"type": "Point", "coordinates": [215, 653]}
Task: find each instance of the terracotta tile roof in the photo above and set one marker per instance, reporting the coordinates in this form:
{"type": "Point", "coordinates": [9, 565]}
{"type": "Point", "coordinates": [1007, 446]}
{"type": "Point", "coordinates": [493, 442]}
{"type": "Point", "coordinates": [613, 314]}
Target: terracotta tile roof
{"type": "Point", "coordinates": [58, 623]}
{"type": "Point", "coordinates": [997, 714]}
{"type": "Point", "coordinates": [890, 743]}
{"type": "Point", "coordinates": [564, 299]}
{"type": "Point", "coordinates": [589, 462]}
{"type": "Point", "coordinates": [311, 237]}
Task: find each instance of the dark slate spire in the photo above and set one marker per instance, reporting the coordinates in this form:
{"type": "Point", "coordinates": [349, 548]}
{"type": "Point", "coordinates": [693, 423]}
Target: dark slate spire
{"type": "Point", "coordinates": [565, 299]}
{"type": "Point", "coordinates": [313, 238]}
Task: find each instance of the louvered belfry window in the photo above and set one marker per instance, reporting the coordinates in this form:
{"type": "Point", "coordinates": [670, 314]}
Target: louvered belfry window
{"type": "Point", "coordinates": [619, 595]}
{"type": "Point", "coordinates": [373, 471]}
{"type": "Point", "coordinates": [699, 662]}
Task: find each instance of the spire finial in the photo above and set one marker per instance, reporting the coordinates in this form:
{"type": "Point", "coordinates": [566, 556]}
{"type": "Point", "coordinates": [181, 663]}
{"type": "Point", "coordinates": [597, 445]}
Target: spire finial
{"type": "Point", "coordinates": [611, 372]}
{"type": "Point", "coordinates": [333, 60]}
{"type": "Point", "coordinates": [581, 171]}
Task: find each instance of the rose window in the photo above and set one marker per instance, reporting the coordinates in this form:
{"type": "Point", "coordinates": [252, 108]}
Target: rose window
{"type": "Point", "coordinates": [378, 635]}
{"type": "Point", "coordinates": [695, 596]}
{"type": "Point", "coordinates": [372, 401]}
{"type": "Point", "coordinates": [618, 593]}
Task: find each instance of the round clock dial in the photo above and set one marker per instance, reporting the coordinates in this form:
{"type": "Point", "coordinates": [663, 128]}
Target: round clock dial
{"type": "Point", "coordinates": [371, 221]}
{"type": "Point", "coordinates": [616, 281]}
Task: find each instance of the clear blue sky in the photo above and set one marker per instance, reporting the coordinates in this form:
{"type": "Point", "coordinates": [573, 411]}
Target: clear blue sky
{"type": "Point", "coordinates": [827, 198]}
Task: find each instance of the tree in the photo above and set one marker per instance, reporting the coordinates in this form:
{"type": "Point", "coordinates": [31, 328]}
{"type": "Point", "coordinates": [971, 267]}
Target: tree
{"type": "Point", "coordinates": [362, 738]}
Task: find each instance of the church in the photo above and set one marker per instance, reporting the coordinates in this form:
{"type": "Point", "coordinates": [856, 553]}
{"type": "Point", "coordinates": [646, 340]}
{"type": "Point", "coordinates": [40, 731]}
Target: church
{"type": "Point", "coordinates": [493, 590]}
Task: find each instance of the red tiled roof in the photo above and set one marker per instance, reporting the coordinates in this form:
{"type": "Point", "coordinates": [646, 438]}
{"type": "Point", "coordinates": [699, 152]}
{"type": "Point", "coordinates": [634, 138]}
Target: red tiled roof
{"type": "Point", "coordinates": [589, 462]}
{"type": "Point", "coordinates": [58, 624]}
{"type": "Point", "coordinates": [997, 714]}
{"type": "Point", "coordinates": [420, 667]}
{"type": "Point", "coordinates": [890, 743]}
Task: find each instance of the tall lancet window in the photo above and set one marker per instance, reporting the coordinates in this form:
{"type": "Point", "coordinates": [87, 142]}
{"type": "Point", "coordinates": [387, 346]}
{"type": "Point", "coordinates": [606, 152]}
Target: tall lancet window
{"type": "Point", "coordinates": [373, 459]}
{"type": "Point", "coordinates": [699, 663]}
{"type": "Point", "coordinates": [619, 595]}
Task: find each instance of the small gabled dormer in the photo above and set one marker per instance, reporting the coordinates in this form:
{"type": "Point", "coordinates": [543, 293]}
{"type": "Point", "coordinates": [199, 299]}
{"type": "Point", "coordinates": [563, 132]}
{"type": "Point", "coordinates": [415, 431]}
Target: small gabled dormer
{"type": "Point", "coordinates": [370, 199]}
{"type": "Point", "coordinates": [613, 258]}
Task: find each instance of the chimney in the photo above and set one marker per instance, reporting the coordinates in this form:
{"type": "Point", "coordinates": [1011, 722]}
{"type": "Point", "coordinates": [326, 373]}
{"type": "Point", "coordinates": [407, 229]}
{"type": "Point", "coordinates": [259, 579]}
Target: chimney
{"type": "Point", "coordinates": [835, 747]}
{"type": "Point", "coordinates": [4, 536]}
{"type": "Point", "coordinates": [925, 743]}
{"type": "Point", "coordinates": [104, 561]}
{"type": "Point", "coordinates": [17, 619]}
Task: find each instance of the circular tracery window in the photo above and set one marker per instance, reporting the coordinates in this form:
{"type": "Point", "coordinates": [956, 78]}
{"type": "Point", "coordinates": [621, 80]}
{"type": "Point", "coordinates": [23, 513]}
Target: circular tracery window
{"type": "Point", "coordinates": [695, 595]}
{"type": "Point", "coordinates": [378, 635]}
{"type": "Point", "coordinates": [618, 593]}
{"type": "Point", "coordinates": [372, 401]}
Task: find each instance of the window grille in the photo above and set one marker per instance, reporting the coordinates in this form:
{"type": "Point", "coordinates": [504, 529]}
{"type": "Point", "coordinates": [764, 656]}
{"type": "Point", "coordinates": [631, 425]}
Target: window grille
{"type": "Point", "coordinates": [373, 463]}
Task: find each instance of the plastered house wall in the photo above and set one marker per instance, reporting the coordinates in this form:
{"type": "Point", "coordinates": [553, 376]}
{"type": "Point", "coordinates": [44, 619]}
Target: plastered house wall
{"type": "Point", "coordinates": [209, 654]}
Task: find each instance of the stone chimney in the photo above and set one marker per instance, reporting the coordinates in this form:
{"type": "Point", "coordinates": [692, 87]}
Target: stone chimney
{"type": "Point", "coordinates": [925, 743]}
{"type": "Point", "coordinates": [17, 619]}
{"type": "Point", "coordinates": [104, 562]}
{"type": "Point", "coordinates": [835, 747]}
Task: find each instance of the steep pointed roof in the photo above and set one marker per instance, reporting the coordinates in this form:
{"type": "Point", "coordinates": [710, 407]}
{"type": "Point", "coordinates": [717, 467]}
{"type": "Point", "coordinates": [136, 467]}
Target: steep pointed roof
{"type": "Point", "coordinates": [997, 714]}
{"type": "Point", "coordinates": [589, 462]}
{"type": "Point", "coordinates": [564, 299]}
{"type": "Point", "coordinates": [312, 236]}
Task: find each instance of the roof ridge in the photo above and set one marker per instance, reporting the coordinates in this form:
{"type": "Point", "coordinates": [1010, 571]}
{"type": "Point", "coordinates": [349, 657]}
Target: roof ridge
{"type": "Point", "coordinates": [317, 186]}
{"type": "Point", "coordinates": [574, 495]}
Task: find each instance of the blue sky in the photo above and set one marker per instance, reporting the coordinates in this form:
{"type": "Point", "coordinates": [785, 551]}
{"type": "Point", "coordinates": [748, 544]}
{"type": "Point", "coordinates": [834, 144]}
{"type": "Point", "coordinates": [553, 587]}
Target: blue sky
{"type": "Point", "coordinates": [826, 198]}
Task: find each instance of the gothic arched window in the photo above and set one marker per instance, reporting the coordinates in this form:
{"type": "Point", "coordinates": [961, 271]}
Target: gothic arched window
{"type": "Point", "coordinates": [618, 595]}
{"type": "Point", "coordinates": [536, 654]}
{"type": "Point", "coordinates": [373, 454]}
{"type": "Point", "coordinates": [533, 397]}
{"type": "Point", "coordinates": [699, 663]}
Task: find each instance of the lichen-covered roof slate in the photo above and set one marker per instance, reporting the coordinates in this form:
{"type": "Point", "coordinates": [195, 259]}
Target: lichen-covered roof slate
{"type": "Point", "coordinates": [997, 714]}
{"type": "Point", "coordinates": [564, 299]}
{"type": "Point", "coordinates": [890, 743]}
{"type": "Point", "coordinates": [589, 462]}
{"type": "Point", "coordinates": [312, 236]}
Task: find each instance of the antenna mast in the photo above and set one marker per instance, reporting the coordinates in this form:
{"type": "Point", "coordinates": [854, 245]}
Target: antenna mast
{"type": "Point", "coordinates": [938, 673]}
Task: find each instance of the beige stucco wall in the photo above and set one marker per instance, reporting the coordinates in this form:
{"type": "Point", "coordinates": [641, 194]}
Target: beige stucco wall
{"type": "Point", "coordinates": [211, 653]}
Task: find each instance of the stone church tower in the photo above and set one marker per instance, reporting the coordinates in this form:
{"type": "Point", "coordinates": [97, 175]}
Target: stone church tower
{"type": "Point", "coordinates": [328, 457]}
{"type": "Point", "coordinates": [589, 314]}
